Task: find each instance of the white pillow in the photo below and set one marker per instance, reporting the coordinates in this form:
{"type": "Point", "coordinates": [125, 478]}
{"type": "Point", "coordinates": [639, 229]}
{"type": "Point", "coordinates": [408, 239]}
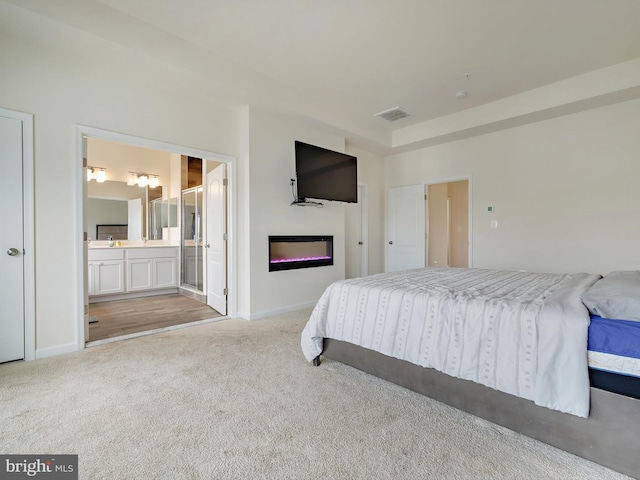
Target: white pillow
{"type": "Point", "coordinates": [615, 296]}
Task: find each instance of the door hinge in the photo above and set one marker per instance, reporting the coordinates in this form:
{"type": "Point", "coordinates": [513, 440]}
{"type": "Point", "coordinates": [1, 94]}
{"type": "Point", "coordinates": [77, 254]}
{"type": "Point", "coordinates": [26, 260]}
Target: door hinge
{"type": "Point", "coordinates": [84, 162]}
{"type": "Point", "coordinates": [225, 237]}
{"type": "Point", "coordinates": [425, 196]}
{"type": "Point", "coordinates": [225, 291]}
{"type": "Point", "coordinates": [86, 309]}
{"type": "Point", "coordinates": [225, 182]}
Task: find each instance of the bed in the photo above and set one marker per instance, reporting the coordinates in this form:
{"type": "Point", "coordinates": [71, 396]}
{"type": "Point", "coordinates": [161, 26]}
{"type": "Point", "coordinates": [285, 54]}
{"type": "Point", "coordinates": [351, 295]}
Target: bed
{"type": "Point", "coordinates": [510, 347]}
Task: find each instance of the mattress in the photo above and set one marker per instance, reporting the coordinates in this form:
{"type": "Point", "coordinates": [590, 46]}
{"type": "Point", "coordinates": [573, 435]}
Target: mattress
{"type": "Point", "coordinates": [614, 346]}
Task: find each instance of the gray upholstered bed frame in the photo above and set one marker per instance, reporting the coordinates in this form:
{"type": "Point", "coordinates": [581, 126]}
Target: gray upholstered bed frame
{"type": "Point", "coordinates": [610, 436]}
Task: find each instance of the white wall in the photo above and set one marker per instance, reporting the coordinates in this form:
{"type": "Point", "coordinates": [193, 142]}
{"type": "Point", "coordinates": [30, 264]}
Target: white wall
{"type": "Point", "coordinates": [565, 191]}
{"type": "Point", "coordinates": [66, 77]}
{"type": "Point", "coordinates": [272, 166]}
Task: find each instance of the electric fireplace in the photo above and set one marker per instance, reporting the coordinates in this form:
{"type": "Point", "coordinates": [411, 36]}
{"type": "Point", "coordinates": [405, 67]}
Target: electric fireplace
{"type": "Point", "coordinates": [288, 252]}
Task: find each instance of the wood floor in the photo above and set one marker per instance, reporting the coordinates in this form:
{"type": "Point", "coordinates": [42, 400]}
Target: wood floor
{"type": "Point", "coordinates": [124, 317]}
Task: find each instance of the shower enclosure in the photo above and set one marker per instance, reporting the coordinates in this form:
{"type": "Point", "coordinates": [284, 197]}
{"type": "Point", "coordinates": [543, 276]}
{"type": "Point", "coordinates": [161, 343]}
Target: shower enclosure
{"type": "Point", "coordinates": [192, 254]}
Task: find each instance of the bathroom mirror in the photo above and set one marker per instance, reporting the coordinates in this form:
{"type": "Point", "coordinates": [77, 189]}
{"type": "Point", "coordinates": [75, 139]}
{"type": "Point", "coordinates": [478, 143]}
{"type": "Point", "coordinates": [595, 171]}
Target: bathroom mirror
{"type": "Point", "coordinates": [125, 212]}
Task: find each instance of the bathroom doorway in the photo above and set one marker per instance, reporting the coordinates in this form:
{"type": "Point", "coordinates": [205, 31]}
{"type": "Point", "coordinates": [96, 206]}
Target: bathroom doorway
{"type": "Point", "coordinates": [141, 290]}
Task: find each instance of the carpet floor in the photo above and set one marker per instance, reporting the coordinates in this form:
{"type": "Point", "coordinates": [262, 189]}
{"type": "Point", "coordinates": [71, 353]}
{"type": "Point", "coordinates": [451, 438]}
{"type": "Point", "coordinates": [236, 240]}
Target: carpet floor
{"type": "Point", "coordinates": [236, 400]}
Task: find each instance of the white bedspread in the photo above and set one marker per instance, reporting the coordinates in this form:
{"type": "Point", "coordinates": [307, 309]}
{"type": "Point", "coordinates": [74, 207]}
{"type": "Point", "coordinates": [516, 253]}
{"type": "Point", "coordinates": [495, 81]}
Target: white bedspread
{"type": "Point", "coordinates": [518, 332]}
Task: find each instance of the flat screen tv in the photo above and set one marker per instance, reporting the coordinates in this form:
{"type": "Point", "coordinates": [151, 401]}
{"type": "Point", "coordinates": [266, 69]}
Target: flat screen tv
{"type": "Point", "coordinates": [325, 175]}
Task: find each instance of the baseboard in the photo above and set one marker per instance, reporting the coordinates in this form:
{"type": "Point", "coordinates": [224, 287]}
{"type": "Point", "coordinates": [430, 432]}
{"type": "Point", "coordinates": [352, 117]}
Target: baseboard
{"type": "Point", "coordinates": [278, 311]}
{"type": "Point", "coordinates": [56, 350]}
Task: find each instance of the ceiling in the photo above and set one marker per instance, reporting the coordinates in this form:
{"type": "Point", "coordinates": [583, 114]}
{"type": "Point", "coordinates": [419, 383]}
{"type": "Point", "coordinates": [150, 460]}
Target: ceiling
{"type": "Point", "coordinates": [342, 61]}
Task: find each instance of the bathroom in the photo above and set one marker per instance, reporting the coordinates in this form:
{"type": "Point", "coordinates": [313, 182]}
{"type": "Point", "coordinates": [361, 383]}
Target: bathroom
{"type": "Point", "coordinates": [149, 225]}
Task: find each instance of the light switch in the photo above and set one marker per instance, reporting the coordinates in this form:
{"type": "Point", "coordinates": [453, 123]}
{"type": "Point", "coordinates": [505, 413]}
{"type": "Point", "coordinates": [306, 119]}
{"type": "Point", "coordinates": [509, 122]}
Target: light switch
{"type": "Point", "coordinates": [494, 223]}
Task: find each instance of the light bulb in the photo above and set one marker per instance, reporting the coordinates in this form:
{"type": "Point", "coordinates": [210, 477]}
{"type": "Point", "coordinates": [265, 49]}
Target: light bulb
{"type": "Point", "coordinates": [101, 176]}
{"type": "Point", "coordinates": [143, 181]}
{"type": "Point", "coordinates": [154, 182]}
{"type": "Point", "coordinates": [133, 179]}
{"type": "Point", "coordinates": [89, 174]}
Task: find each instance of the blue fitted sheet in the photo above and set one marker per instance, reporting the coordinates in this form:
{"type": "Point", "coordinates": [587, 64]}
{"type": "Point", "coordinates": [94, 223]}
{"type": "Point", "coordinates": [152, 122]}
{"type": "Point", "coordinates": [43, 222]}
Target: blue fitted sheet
{"type": "Point", "coordinates": [614, 337]}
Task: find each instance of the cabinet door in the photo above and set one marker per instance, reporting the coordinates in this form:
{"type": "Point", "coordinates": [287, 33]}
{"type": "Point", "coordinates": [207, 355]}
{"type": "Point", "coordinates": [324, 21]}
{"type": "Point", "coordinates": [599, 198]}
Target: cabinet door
{"type": "Point", "coordinates": [109, 277]}
{"type": "Point", "coordinates": [165, 272]}
{"type": "Point", "coordinates": [139, 274]}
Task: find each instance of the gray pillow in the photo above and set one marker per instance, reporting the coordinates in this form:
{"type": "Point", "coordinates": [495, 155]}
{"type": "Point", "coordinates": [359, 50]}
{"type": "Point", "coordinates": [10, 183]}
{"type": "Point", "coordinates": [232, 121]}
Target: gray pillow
{"type": "Point", "coordinates": [615, 296]}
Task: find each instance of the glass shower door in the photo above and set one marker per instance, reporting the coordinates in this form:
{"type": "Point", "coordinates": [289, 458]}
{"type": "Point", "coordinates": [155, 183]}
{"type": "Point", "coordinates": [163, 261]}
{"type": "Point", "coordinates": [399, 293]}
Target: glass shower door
{"type": "Point", "coordinates": [192, 258]}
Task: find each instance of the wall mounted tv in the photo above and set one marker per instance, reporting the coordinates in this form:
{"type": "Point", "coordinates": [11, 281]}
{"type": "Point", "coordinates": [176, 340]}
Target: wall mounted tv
{"type": "Point", "coordinates": [325, 175]}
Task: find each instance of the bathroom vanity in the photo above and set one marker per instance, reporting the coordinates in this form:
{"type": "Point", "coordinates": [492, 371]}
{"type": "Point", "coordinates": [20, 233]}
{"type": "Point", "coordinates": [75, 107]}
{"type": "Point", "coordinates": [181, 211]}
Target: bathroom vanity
{"type": "Point", "coordinates": [116, 273]}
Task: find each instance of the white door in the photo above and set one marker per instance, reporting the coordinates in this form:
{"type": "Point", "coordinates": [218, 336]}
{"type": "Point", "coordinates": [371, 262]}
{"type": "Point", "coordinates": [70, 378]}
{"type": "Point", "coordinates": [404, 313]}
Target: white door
{"type": "Point", "coordinates": [134, 220]}
{"type": "Point", "coordinates": [406, 228]}
{"type": "Point", "coordinates": [11, 242]}
{"type": "Point", "coordinates": [356, 236]}
{"type": "Point", "coordinates": [216, 245]}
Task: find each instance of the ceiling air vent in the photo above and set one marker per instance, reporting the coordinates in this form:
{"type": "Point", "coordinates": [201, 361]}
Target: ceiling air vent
{"type": "Point", "coordinates": [393, 114]}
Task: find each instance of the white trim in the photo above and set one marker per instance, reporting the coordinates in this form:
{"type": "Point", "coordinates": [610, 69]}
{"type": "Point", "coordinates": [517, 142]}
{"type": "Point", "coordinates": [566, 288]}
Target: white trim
{"type": "Point", "coordinates": [28, 230]}
{"type": "Point", "coordinates": [55, 350]}
{"type": "Point", "coordinates": [80, 132]}
{"type": "Point", "coordinates": [470, 210]}
{"type": "Point", "coordinates": [279, 311]}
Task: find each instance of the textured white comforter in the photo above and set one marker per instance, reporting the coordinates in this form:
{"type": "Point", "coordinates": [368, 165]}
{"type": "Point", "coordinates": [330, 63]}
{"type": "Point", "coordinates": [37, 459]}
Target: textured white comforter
{"type": "Point", "coordinates": [518, 332]}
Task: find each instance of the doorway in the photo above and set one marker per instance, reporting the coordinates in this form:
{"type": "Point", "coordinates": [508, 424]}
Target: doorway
{"type": "Point", "coordinates": [146, 280]}
{"type": "Point", "coordinates": [448, 224]}
{"type": "Point", "coordinates": [429, 225]}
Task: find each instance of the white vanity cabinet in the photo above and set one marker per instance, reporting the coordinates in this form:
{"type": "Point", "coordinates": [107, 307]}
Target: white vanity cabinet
{"type": "Point", "coordinates": [151, 268]}
{"type": "Point", "coordinates": [118, 273]}
{"type": "Point", "coordinates": [106, 272]}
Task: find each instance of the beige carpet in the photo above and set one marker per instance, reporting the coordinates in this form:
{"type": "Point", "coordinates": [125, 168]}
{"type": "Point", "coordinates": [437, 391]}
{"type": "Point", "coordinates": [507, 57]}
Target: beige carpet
{"type": "Point", "coordinates": [236, 400]}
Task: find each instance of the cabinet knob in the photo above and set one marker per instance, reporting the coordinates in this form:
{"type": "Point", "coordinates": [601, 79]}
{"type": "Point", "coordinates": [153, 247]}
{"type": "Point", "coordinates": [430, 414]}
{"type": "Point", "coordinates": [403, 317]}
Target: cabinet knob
{"type": "Point", "coordinates": [390, 242]}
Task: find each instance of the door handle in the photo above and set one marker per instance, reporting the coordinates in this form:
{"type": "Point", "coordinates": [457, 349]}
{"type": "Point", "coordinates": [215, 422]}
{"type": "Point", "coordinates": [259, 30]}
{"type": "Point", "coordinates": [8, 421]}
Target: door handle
{"type": "Point", "coordinates": [390, 242]}
{"type": "Point", "coordinates": [360, 243]}
{"type": "Point", "coordinates": [13, 252]}
{"type": "Point", "coordinates": [206, 245]}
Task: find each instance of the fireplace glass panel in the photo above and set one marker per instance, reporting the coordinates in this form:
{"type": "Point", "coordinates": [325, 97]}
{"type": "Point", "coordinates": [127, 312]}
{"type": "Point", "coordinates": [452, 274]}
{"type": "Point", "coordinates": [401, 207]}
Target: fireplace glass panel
{"type": "Point", "coordinates": [292, 252]}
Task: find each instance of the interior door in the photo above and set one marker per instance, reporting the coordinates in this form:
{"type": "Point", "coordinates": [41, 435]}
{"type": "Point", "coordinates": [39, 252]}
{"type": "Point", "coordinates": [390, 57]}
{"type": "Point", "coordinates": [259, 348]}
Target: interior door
{"type": "Point", "coordinates": [406, 228]}
{"type": "Point", "coordinates": [216, 246]}
{"type": "Point", "coordinates": [12, 324]}
{"type": "Point", "coordinates": [356, 237]}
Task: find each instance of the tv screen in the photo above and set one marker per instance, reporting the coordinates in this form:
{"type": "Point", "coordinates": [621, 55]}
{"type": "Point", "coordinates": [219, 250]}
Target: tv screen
{"type": "Point", "coordinates": [326, 175]}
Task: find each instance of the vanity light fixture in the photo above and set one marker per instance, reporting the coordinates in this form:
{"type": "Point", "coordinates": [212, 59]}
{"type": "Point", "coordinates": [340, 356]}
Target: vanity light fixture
{"type": "Point", "coordinates": [143, 179]}
{"type": "Point", "coordinates": [99, 173]}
